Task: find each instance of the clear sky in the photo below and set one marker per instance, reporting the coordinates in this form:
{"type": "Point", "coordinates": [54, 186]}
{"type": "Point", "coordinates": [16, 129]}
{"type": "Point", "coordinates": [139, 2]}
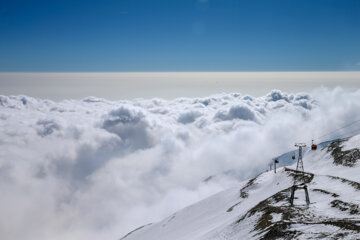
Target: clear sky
{"type": "Point", "coordinates": [179, 35]}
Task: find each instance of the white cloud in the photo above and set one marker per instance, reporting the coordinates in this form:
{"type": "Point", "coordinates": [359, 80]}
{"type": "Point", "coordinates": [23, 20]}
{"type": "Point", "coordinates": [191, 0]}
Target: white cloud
{"type": "Point", "coordinates": [95, 169]}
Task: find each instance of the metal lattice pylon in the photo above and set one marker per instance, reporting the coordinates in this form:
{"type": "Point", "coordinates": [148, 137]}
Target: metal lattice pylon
{"type": "Point", "coordinates": [299, 178]}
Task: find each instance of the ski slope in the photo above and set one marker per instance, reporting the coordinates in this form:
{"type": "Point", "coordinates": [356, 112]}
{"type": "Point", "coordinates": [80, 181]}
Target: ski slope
{"type": "Point", "coordinates": [259, 208]}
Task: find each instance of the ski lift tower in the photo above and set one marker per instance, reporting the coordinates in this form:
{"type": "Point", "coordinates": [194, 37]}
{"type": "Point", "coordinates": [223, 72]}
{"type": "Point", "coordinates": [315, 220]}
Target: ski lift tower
{"type": "Point", "coordinates": [299, 178]}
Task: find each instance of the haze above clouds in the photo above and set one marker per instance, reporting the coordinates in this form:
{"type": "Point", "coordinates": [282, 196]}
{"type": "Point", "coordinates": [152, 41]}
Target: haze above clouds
{"type": "Point", "coordinates": [169, 85]}
{"type": "Point", "coordinates": [97, 169]}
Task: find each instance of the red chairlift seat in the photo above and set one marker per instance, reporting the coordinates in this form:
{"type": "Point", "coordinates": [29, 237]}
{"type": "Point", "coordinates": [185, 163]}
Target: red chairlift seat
{"type": "Point", "coordinates": [313, 146]}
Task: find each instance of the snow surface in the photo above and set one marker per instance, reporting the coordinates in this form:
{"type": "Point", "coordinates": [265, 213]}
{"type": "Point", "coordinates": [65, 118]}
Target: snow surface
{"type": "Point", "coordinates": [352, 143]}
{"type": "Point", "coordinates": [211, 218]}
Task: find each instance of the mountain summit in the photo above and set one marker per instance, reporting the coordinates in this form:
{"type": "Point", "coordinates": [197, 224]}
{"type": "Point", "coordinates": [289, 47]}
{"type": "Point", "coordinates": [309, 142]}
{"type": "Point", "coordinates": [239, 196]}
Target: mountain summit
{"type": "Point", "coordinates": [260, 208]}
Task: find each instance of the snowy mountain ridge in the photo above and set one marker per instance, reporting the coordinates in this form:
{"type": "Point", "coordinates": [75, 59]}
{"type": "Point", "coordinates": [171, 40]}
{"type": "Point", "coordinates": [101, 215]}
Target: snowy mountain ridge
{"type": "Point", "coordinates": [260, 209]}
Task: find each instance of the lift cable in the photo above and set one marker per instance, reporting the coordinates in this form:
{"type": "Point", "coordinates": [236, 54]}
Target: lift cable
{"type": "Point", "coordinates": [334, 131]}
{"type": "Point", "coordinates": [346, 134]}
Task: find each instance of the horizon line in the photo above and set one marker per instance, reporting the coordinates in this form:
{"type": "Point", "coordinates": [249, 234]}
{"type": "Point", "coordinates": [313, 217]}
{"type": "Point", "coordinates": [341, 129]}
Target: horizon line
{"type": "Point", "coordinates": [312, 71]}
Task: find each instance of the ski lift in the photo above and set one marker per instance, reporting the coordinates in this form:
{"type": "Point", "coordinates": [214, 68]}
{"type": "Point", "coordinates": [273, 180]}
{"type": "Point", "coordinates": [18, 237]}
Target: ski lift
{"type": "Point", "coordinates": [293, 157]}
{"type": "Point", "coordinates": [313, 145]}
{"type": "Point", "coordinates": [275, 162]}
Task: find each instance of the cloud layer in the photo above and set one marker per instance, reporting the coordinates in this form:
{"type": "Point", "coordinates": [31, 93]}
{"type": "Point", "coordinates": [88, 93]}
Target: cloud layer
{"type": "Point", "coordinates": [96, 169]}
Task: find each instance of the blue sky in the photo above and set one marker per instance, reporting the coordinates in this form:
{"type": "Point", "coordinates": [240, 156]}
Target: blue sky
{"type": "Point", "coordinates": [183, 35]}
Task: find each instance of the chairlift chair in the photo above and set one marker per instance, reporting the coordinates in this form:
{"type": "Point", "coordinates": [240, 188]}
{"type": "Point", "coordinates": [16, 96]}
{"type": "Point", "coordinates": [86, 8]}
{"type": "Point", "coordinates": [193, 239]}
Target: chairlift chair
{"type": "Point", "coordinates": [313, 145]}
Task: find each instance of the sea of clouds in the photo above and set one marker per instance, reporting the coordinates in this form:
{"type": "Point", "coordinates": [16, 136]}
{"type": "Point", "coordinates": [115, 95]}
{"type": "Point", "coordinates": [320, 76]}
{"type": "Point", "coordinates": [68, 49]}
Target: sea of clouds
{"type": "Point", "coordinates": [97, 169]}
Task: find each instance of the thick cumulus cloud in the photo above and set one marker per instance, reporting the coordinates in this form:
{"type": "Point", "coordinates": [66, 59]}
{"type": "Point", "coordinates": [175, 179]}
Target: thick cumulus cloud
{"type": "Point", "coordinates": [236, 112]}
{"type": "Point", "coordinates": [96, 169]}
{"type": "Point", "coordinates": [130, 126]}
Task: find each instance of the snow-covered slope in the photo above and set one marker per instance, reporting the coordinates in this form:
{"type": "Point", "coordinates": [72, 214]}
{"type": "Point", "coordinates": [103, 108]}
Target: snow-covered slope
{"type": "Point", "coordinates": [260, 209]}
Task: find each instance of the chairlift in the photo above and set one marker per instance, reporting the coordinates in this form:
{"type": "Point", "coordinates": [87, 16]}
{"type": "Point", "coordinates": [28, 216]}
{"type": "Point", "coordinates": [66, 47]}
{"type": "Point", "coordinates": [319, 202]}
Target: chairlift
{"type": "Point", "coordinates": [293, 157]}
{"type": "Point", "coordinates": [313, 145]}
